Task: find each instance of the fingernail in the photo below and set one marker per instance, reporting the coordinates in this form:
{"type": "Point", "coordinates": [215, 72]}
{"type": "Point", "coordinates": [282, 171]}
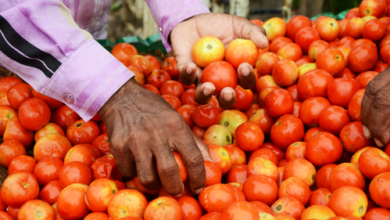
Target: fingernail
{"type": "Point", "coordinates": [228, 97]}
{"type": "Point", "coordinates": [197, 192]}
{"type": "Point", "coordinates": [207, 91]}
{"type": "Point", "coordinates": [265, 38]}
{"type": "Point", "coordinates": [378, 143]}
{"type": "Point", "coordinates": [245, 71]}
{"type": "Point", "coordinates": [189, 70]}
{"type": "Point", "coordinates": [366, 132]}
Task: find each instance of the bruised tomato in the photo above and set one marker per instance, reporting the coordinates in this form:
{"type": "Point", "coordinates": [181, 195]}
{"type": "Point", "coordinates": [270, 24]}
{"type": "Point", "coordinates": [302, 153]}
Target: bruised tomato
{"type": "Point", "coordinates": [81, 132]}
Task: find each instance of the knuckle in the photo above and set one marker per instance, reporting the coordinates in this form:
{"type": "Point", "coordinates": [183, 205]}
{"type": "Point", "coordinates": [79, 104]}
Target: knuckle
{"type": "Point", "coordinates": [372, 88]}
{"type": "Point", "coordinates": [147, 181]}
{"type": "Point", "coordinates": [195, 160]}
{"type": "Point", "coordinates": [382, 101]}
{"type": "Point", "coordinates": [170, 170]}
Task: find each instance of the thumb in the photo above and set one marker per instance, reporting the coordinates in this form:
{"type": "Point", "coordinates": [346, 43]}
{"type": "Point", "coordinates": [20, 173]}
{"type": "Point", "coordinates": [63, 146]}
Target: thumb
{"type": "Point", "coordinates": [251, 31]}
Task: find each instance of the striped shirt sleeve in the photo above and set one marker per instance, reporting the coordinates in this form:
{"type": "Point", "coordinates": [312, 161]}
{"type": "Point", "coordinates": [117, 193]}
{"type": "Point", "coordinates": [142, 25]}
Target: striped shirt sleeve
{"type": "Point", "coordinates": [40, 41]}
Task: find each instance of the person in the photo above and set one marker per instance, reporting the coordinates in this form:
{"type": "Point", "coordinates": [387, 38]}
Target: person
{"type": "Point", "coordinates": [49, 44]}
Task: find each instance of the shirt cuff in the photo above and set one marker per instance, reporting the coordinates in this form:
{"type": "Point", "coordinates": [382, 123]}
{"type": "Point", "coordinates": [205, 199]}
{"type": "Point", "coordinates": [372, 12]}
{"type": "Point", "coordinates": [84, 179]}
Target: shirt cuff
{"type": "Point", "coordinates": [189, 12]}
{"type": "Point", "coordinates": [87, 79]}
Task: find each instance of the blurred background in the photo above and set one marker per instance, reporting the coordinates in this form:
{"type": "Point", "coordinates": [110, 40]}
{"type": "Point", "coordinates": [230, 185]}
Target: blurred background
{"type": "Point", "coordinates": [133, 18]}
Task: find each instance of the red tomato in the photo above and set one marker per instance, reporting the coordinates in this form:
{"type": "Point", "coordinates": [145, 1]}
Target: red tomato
{"type": "Point", "coordinates": [265, 153]}
{"type": "Point", "coordinates": [287, 130]}
{"type": "Point", "coordinates": [50, 192]}
{"type": "Point", "coordinates": [300, 168]}
{"type": "Point", "coordinates": [15, 131]}
{"type": "Point", "coordinates": [105, 167]}
{"type": "Point", "coordinates": [71, 202]}
{"type": "Point", "coordinates": [331, 60]}
{"type": "Point", "coordinates": [191, 208]}
{"type": "Point", "coordinates": [7, 82]}
{"type": "Point", "coordinates": [362, 58]}
{"type": "Point", "coordinates": [238, 174]}
{"type": "Point", "coordinates": [158, 77]}
{"type": "Point", "coordinates": [64, 116]}
{"type": "Point", "coordinates": [353, 138]}
{"type": "Point", "coordinates": [249, 136]}
{"type": "Point", "coordinates": [99, 193]}
{"type": "Point", "coordinates": [53, 145]}
{"type": "Point", "coordinates": [6, 113]}
{"type": "Point", "coordinates": [260, 188]}
{"type": "Point", "coordinates": [311, 109]}
{"type": "Point", "coordinates": [153, 60]}
{"type": "Point", "coordinates": [346, 174]}
{"type": "Point", "coordinates": [375, 30]}
{"type": "Point", "coordinates": [266, 63]}
{"type": "Point", "coordinates": [171, 87]}
{"type": "Point", "coordinates": [285, 72]}
{"type": "Point", "coordinates": [237, 156]}
{"type": "Point", "coordinates": [80, 153]}
{"type": "Point", "coordinates": [216, 197]}
{"type": "Point", "coordinates": [279, 153]}
{"type": "Point", "coordinates": [305, 36]}
{"type": "Point", "coordinates": [81, 132]}
{"type": "Point", "coordinates": [124, 52]}
{"type": "Point", "coordinates": [324, 148]}
{"type": "Point", "coordinates": [296, 188]}
{"type": "Point", "coordinates": [316, 48]}
{"type": "Point", "coordinates": [213, 173]}
{"type": "Point", "coordinates": [241, 51]}
{"type": "Point", "coordinates": [19, 93]}
{"type": "Point", "coordinates": [163, 208]}
{"type": "Point", "coordinates": [127, 199]}
{"type": "Point", "coordinates": [354, 27]}
{"type": "Point", "coordinates": [238, 209]}
{"type": "Point", "coordinates": [186, 112]}
{"type": "Point", "coordinates": [36, 208]}
{"type": "Point", "coordinates": [354, 106]}
{"type": "Point", "coordinates": [321, 197]}
{"type": "Point", "coordinates": [152, 88]}
{"type": "Point", "coordinates": [19, 188]}
{"type": "Point", "coordinates": [9, 150]}
{"type": "Point", "coordinates": [206, 115]}
{"type": "Point", "coordinates": [291, 51]}
{"type": "Point", "coordinates": [52, 103]}
{"type": "Point", "coordinates": [311, 132]}
{"type": "Point", "coordinates": [364, 78]}
{"type": "Point", "coordinates": [313, 84]}
{"type": "Point", "coordinates": [296, 23]}
{"type": "Point", "coordinates": [45, 175]}
{"type": "Point", "coordinates": [21, 163]}
{"type": "Point", "coordinates": [340, 91]}
{"type": "Point", "coordinates": [188, 97]}
{"type": "Point", "coordinates": [75, 172]}
{"type": "Point", "coordinates": [170, 66]}
{"type": "Point", "coordinates": [34, 114]}
{"type": "Point", "coordinates": [373, 162]}
{"type": "Point", "coordinates": [333, 118]}
{"type": "Point", "coordinates": [172, 100]}
{"type": "Point", "coordinates": [222, 74]}
{"type": "Point", "coordinates": [244, 98]}
{"type": "Point", "coordinates": [278, 102]}
{"type": "Point", "coordinates": [50, 128]}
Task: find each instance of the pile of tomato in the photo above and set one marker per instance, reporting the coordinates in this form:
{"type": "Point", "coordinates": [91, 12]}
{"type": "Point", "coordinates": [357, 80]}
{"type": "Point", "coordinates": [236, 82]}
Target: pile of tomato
{"type": "Point", "coordinates": [291, 148]}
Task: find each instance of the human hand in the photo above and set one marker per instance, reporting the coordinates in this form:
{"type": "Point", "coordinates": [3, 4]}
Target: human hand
{"type": "Point", "coordinates": [375, 110]}
{"type": "Point", "coordinates": [142, 128]}
{"type": "Point", "coordinates": [226, 28]}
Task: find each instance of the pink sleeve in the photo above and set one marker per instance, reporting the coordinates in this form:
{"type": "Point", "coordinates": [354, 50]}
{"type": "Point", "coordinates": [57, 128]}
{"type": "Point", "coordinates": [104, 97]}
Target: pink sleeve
{"type": "Point", "coordinates": [167, 14]}
{"type": "Point", "coordinates": [40, 42]}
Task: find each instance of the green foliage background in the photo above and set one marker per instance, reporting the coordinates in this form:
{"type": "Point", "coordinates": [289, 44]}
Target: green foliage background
{"type": "Point", "coordinates": [334, 6]}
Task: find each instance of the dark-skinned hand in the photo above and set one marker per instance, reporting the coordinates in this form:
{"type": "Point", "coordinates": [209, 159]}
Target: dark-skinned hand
{"type": "Point", "coordinates": [226, 28]}
{"type": "Point", "coordinates": [143, 130]}
{"type": "Point", "coordinates": [375, 110]}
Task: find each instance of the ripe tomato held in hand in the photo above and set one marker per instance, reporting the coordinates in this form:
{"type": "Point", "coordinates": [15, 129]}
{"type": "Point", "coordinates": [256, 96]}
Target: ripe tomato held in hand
{"type": "Point", "coordinates": [241, 51]}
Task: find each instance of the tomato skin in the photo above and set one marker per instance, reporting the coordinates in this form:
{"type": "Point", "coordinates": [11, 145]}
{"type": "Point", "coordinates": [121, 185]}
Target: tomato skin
{"type": "Point", "coordinates": [375, 8]}
{"type": "Point", "coordinates": [152, 88]}
{"type": "Point", "coordinates": [238, 209]}
{"type": "Point", "coordinates": [10, 150]}
{"type": "Point", "coordinates": [15, 131]}
{"type": "Point", "coordinates": [278, 43]}
{"type": "Point", "coordinates": [296, 150]}
{"type": "Point", "coordinates": [80, 153]}
{"type": "Point", "coordinates": [265, 153]}
{"type": "Point", "coordinates": [21, 163]}
{"type": "Point", "coordinates": [300, 168]}
{"type": "Point", "coordinates": [171, 87]}
{"type": "Point", "coordinates": [154, 61]}
{"type": "Point", "coordinates": [75, 172]}
{"type": "Point", "coordinates": [346, 174]}
{"type": "Point", "coordinates": [260, 188]}
{"type": "Point", "coordinates": [124, 52]}
{"type": "Point", "coordinates": [278, 102]}
{"type": "Point", "coordinates": [374, 30]}
{"type": "Point", "coordinates": [216, 197]}
{"type": "Point", "coordinates": [305, 36]}
{"type": "Point", "coordinates": [285, 72]}
{"type": "Point", "coordinates": [45, 175]}
{"type": "Point", "coordinates": [316, 48]}
{"type": "Point", "coordinates": [353, 138]}
{"type": "Point", "coordinates": [6, 114]}
{"type": "Point", "coordinates": [289, 205]}
{"type": "Point", "coordinates": [321, 197]}
{"type": "Point", "coordinates": [7, 82]}
{"type": "Point", "coordinates": [158, 77]}
{"type": "Point", "coordinates": [81, 132]}
{"type": "Point", "coordinates": [377, 213]}
{"type": "Point", "coordinates": [244, 98]}
{"type": "Point", "coordinates": [331, 60]}
{"type": "Point", "coordinates": [50, 192]}
{"type": "Point", "coordinates": [260, 118]}
{"type": "Point", "coordinates": [190, 207]}
{"type": "Point", "coordinates": [5, 216]}
{"type": "Point", "coordinates": [53, 145]}
{"type": "Point", "coordinates": [19, 188]}
{"type": "Point", "coordinates": [266, 63]}
{"type": "Point", "coordinates": [354, 106]}
{"type": "Point", "coordinates": [206, 115]}
{"type": "Point", "coordinates": [50, 128]}
{"type": "Point", "coordinates": [64, 116]}
{"type": "Point", "coordinates": [241, 51]}
{"type": "Point", "coordinates": [362, 58]}
{"type": "Point", "coordinates": [333, 118]}
{"type": "Point", "coordinates": [71, 202]}
{"type": "Point", "coordinates": [104, 216]}
{"type": "Point", "coordinates": [249, 132]}
{"type": "Point", "coordinates": [314, 84]}
{"type": "Point", "coordinates": [237, 155]}
{"type": "Point", "coordinates": [36, 208]}
{"type": "Point", "coordinates": [364, 78]}
{"type": "Point", "coordinates": [19, 93]}
{"type": "Point", "coordinates": [296, 188]}
{"type": "Point", "coordinates": [222, 74]}
{"type": "Point", "coordinates": [324, 148]}
{"type": "Point", "coordinates": [296, 23]}
{"type": "Point", "coordinates": [105, 167]}
{"type": "Point", "coordinates": [373, 162]}
{"type": "Point", "coordinates": [311, 109]}
{"type": "Point", "coordinates": [340, 91]}
{"type": "Point", "coordinates": [287, 130]}
{"type": "Point", "coordinates": [238, 174]}
{"type": "Point", "coordinates": [351, 195]}
{"type": "Point", "coordinates": [291, 51]}
{"type": "Point", "coordinates": [188, 97]}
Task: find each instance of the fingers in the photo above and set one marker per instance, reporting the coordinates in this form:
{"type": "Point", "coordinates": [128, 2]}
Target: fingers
{"type": "Point", "coordinates": [246, 76]}
{"type": "Point", "coordinates": [193, 161]}
{"type": "Point", "coordinates": [371, 90]}
{"type": "Point", "coordinates": [168, 171]}
{"type": "Point", "coordinates": [204, 149]}
{"type": "Point", "coordinates": [189, 72]}
{"type": "Point", "coordinates": [227, 98]}
{"type": "Point", "coordinates": [124, 159]}
{"type": "Point", "coordinates": [378, 120]}
{"type": "Point", "coordinates": [146, 173]}
{"type": "Point", "coordinates": [204, 93]}
{"type": "Point", "coordinates": [251, 31]}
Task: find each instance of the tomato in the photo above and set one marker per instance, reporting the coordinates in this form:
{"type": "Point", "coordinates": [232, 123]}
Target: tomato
{"type": "Point", "coordinates": [75, 172]}
{"type": "Point", "coordinates": [199, 131]}
{"type": "Point", "coordinates": [188, 97]}
{"type": "Point", "coordinates": [353, 13]}
{"type": "Point", "coordinates": [52, 103]}
{"type": "Point", "coordinates": [305, 36]}
{"type": "Point", "coordinates": [333, 118]}
{"type": "Point", "coordinates": [263, 166]}
{"type": "Point", "coordinates": [21, 163]}
{"type": "Point", "coordinates": [304, 60]}
{"type": "Point", "coordinates": [142, 63]}
{"type": "Point", "coordinates": [37, 208]}
{"type": "Point", "coordinates": [375, 8]}
{"type": "Point", "coordinates": [260, 188]}
{"type": "Point", "coordinates": [64, 116]}
{"type": "Point", "coordinates": [50, 128]}
{"type": "Point", "coordinates": [103, 216]}
{"type": "Point", "coordinates": [34, 114]}
{"type": "Point", "coordinates": [266, 63]}
{"type": "Point", "coordinates": [354, 197]}
{"type": "Point", "coordinates": [99, 193]}
{"type": "Point", "coordinates": [287, 130]}
{"type": "Point", "coordinates": [264, 82]}
{"type": "Point", "coordinates": [102, 144]}
{"type": "Point", "coordinates": [171, 87]}
{"type": "Point", "coordinates": [50, 192]}
{"type": "Point", "coordinates": [5, 216]}
{"type": "Point", "coordinates": [19, 93]}
{"type": "Point", "coordinates": [216, 197]}
{"type": "Point", "coordinates": [296, 23]}
{"type": "Point", "coordinates": [332, 61]}
{"type": "Point", "coordinates": [45, 175]}
{"type": "Point", "coordinates": [128, 202]}
{"type": "Point", "coordinates": [249, 136]}
{"type": "Point", "coordinates": [206, 50]}
{"type": "Point", "coordinates": [244, 98]}
{"type": "Point", "coordinates": [362, 58]}
{"type": "Point", "coordinates": [7, 82]}
{"type": "Point", "coordinates": [53, 145]}
{"type": "Point", "coordinates": [241, 51]}
{"type": "Point", "coordinates": [124, 52]}
{"type": "Point", "coordinates": [328, 28]}
{"type": "Point", "coordinates": [354, 27]}
{"type": "Point", "coordinates": [158, 77]}
{"type": "Point", "coordinates": [321, 197]}
{"type": "Point", "coordinates": [288, 205]}
{"type": "Point", "coordinates": [265, 153]}
{"type": "Point", "coordinates": [211, 216]}
{"type": "Point", "coordinates": [296, 150]}
{"type": "Point", "coordinates": [278, 102]}
{"type": "Point", "coordinates": [238, 209]}
{"type": "Point", "coordinates": [11, 149]}
{"type": "Point", "coordinates": [154, 61]}
{"type": "Point", "coordinates": [252, 110]}
{"type": "Point", "coordinates": [237, 155]}
{"type": "Point", "coordinates": [313, 84]}
{"type": "Point", "coordinates": [291, 51]}
{"type": "Point", "coordinates": [186, 112]}
{"type": "Point", "coordinates": [324, 148]}
{"type": "Point", "coordinates": [375, 30]}
{"type": "Point", "coordinates": [278, 43]}
{"type": "Point", "coordinates": [318, 211]}
{"type": "Point", "coordinates": [222, 74]}
{"type": "Point", "coordinates": [353, 138]}
{"type": "Point", "coordinates": [257, 22]}
{"type": "Point", "coordinates": [316, 48]}
{"type": "Point", "coordinates": [311, 132]}
{"type": "Point", "coordinates": [377, 213]}
{"type": "Point", "coordinates": [105, 167]}
{"type": "Point", "coordinates": [285, 72]}
{"type": "Point", "coordinates": [354, 106]}
{"type": "Point", "coordinates": [15, 131]}
{"type": "Point", "coordinates": [13, 212]}
{"type": "Point", "coordinates": [191, 208]}
{"type": "Point", "coordinates": [81, 132]}
{"type": "Point", "coordinates": [206, 115]}
{"type": "Point", "coordinates": [340, 91]}
{"type": "Point", "coordinates": [238, 174]}
{"type": "Point", "coordinates": [296, 188]}
{"type": "Point", "coordinates": [323, 175]}
{"type": "Point", "coordinates": [373, 162]}
{"type": "Point", "coordinates": [71, 202]}
{"type": "Point", "coordinates": [364, 78]}
{"type": "Point", "coordinates": [275, 27]}
{"type": "Point", "coordinates": [6, 113]}
{"type": "Point", "coordinates": [19, 188]}
{"type": "Point", "coordinates": [380, 66]}
{"type": "Point", "coordinates": [385, 41]}
{"type": "Point", "coordinates": [302, 169]}
{"type": "Point", "coordinates": [152, 88]}
{"type": "Point", "coordinates": [346, 174]}
{"type": "Point", "coordinates": [311, 109]}
{"type": "Point", "coordinates": [221, 157]}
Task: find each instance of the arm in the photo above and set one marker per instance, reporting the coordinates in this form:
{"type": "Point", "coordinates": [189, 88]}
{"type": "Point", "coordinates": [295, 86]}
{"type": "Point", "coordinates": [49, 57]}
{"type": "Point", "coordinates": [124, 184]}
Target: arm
{"type": "Point", "coordinates": [40, 42]}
